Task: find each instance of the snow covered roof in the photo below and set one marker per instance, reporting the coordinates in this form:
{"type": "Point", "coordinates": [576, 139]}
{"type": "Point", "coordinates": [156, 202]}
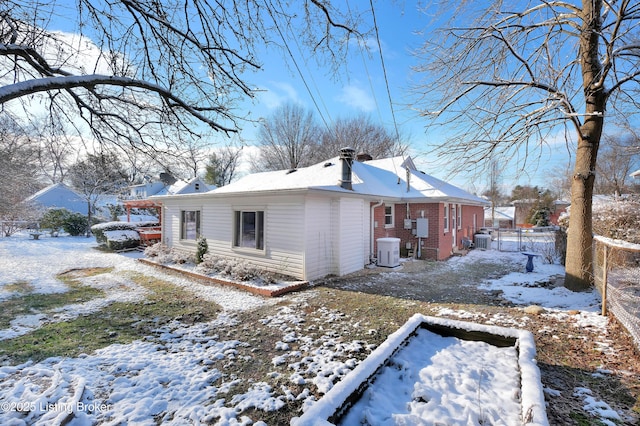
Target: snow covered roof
{"type": "Point", "coordinates": [508, 212]}
{"type": "Point", "coordinates": [386, 178]}
{"type": "Point", "coordinates": [185, 187]}
{"type": "Point", "coordinates": [635, 174]}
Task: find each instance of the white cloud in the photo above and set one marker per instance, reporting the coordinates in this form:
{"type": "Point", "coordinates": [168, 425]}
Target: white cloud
{"type": "Point", "coordinates": [278, 93]}
{"type": "Point", "coordinates": [357, 98]}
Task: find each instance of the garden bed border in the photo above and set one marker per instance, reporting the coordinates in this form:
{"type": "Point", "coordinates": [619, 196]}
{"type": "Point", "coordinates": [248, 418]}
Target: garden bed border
{"type": "Point", "coordinates": [295, 286]}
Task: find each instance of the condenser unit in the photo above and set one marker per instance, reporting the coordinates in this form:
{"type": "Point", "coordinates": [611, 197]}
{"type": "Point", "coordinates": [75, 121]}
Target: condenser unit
{"type": "Point", "coordinates": [389, 252]}
{"type": "Point", "coordinates": [482, 241]}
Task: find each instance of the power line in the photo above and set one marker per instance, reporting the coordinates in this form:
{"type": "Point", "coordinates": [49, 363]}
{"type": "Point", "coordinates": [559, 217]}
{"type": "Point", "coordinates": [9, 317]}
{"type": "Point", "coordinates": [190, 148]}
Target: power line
{"type": "Point", "coordinates": [304, 81]}
{"type": "Point", "coordinates": [384, 71]}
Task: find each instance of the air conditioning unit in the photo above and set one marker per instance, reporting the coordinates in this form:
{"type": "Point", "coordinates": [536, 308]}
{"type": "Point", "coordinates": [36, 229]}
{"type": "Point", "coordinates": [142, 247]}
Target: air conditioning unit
{"type": "Point", "coordinates": [482, 241]}
{"type": "Point", "coordinates": [389, 252]}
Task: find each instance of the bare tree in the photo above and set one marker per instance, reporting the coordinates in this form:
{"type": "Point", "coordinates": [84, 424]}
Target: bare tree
{"type": "Point", "coordinates": [510, 77]}
{"type": "Point", "coordinates": [18, 175]}
{"type": "Point", "coordinates": [96, 176]}
{"type": "Point", "coordinates": [222, 166]}
{"type": "Point", "coordinates": [493, 192]}
{"type": "Point", "coordinates": [618, 159]}
{"type": "Point", "coordinates": [133, 67]}
{"type": "Point", "coordinates": [287, 139]}
{"type": "Point", "coordinates": [361, 134]}
{"type": "Point", "coordinates": [56, 149]}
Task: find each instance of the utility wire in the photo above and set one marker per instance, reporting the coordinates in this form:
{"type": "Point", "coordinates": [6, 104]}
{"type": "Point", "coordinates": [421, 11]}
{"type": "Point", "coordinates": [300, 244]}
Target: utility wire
{"type": "Point", "coordinates": [269, 9]}
{"type": "Point", "coordinates": [384, 71]}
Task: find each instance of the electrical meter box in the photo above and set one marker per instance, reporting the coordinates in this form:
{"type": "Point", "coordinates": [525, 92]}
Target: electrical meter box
{"type": "Point", "coordinates": [422, 227]}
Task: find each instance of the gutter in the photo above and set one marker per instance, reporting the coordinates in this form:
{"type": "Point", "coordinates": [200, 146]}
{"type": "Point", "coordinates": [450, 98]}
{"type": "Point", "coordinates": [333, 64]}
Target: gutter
{"type": "Point", "coordinates": [372, 254]}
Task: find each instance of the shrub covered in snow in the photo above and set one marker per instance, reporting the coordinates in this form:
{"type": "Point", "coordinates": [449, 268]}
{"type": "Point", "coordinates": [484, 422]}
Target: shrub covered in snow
{"type": "Point", "coordinates": [100, 229]}
{"type": "Point", "coordinates": [619, 219]}
{"type": "Point", "coordinates": [122, 239]}
{"type": "Point", "coordinates": [164, 255]}
{"type": "Point", "coordinates": [232, 268]}
{"type": "Point", "coordinates": [616, 218]}
{"type": "Point", "coordinates": [202, 248]}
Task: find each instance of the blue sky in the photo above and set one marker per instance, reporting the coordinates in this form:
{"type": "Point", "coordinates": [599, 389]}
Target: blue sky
{"type": "Point", "coordinates": [361, 89]}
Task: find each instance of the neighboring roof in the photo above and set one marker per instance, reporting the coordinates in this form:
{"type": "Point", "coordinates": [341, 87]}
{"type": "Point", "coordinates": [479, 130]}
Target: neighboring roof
{"type": "Point", "coordinates": [505, 213]}
{"type": "Point", "coordinates": [186, 187]}
{"type": "Point", "coordinates": [59, 195]}
{"type": "Point", "coordinates": [385, 178]}
{"type": "Point", "coordinates": [635, 174]}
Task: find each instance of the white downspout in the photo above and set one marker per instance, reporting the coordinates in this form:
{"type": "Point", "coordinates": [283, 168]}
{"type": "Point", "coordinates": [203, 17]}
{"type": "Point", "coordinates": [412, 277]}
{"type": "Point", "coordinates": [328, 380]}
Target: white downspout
{"type": "Point", "coordinates": [372, 254]}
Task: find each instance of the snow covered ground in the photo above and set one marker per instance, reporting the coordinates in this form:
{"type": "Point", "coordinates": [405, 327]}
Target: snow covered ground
{"type": "Point", "coordinates": [169, 377]}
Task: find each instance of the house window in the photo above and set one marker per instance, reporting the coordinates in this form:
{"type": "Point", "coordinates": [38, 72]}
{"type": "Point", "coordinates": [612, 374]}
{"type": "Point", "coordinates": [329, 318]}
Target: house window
{"type": "Point", "coordinates": [190, 224]}
{"type": "Point", "coordinates": [249, 229]}
{"type": "Point", "coordinates": [446, 217]}
{"type": "Point", "coordinates": [459, 216]}
{"type": "Point", "coordinates": [388, 216]}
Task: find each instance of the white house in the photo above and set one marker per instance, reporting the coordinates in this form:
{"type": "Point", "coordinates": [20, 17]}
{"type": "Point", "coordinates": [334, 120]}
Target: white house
{"type": "Point", "coordinates": [324, 219]}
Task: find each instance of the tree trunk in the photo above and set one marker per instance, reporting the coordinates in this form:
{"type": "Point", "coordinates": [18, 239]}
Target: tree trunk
{"type": "Point", "coordinates": [579, 264]}
{"type": "Point", "coordinates": [579, 261]}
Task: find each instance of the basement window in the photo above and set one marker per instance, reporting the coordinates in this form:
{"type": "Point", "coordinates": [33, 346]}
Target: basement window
{"type": "Point", "coordinates": [249, 229]}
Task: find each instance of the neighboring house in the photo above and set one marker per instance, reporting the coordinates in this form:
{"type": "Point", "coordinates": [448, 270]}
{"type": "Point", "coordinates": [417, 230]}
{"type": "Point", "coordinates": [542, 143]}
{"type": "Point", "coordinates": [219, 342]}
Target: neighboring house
{"type": "Point", "coordinates": [636, 174]}
{"type": "Point", "coordinates": [139, 195]}
{"type": "Point", "coordinates": [324, 219]}
{"type": "Point", "coordinates": [146, 190]}
{"type": "Point", "coordinates": [502, 217]}
{"type": "Point", "coordinates": [58, 196]}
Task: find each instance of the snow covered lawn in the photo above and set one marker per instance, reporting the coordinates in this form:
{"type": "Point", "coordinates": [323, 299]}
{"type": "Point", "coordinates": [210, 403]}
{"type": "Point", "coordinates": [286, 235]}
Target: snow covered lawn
{"type": "Point", "coordinates": [261, 360]}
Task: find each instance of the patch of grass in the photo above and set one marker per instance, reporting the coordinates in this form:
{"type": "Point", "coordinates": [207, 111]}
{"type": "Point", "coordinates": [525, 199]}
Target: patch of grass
{"type": "Point", "coordinates": [117, 323]}
{"type": "Point", "coordinates": [37, 302]}
{"type": "Point", "coordinates": [582, 419]}
{"type": "Point", "coordinates": [21, 286]}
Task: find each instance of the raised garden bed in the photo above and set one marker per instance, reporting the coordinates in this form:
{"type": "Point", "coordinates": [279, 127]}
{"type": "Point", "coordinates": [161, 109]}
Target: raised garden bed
{"type": "Point", "coordinates": [439, 371]}
{"type": "Point", "coordinates": [268, 290]}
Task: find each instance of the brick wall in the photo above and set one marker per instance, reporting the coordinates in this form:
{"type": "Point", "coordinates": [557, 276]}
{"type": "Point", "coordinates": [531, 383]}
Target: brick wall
{"type": "Point", "coordinates": [438, 245]}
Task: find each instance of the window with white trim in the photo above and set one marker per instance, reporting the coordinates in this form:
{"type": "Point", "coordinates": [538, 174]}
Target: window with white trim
{"type": "Point", "coordinates": [459, 221]}
{"type": "Point", "coordinates": [189, 224]}
{"type": "Point", "coordinates": [249, 229]}
{"type": "Point", "coordinates": [388, 216]}
{"type": "Point", "coordinates": [446, 217]}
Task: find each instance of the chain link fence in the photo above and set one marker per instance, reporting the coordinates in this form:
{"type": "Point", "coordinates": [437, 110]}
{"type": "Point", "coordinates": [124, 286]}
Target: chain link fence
{"type": "Point", "coordinates": [541, 240]}
{"type": "Point", "coordinates": [616, 267]}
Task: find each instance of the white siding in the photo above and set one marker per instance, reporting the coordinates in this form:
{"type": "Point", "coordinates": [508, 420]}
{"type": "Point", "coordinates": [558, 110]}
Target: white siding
{"type": "Point", "coordinates": [319, 251]}
{"type": "Point", "coordinates": [306, 238]}
{"type": "Point", "coordinates": [283, 234]}
{"type": "Point", "coordinates": [352, 237]}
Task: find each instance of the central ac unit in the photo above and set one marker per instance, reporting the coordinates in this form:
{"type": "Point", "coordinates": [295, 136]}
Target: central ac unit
{"type": "Point", "coordinates": [482, 241]}
{"type": "Point", "coordinates": [389, 252]}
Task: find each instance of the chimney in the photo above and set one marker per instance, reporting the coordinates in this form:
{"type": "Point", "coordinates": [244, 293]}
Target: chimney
{"type": "Point", "coordinates": [364, 156]}
{"type": "Point", "coordinates": [346, 157]}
